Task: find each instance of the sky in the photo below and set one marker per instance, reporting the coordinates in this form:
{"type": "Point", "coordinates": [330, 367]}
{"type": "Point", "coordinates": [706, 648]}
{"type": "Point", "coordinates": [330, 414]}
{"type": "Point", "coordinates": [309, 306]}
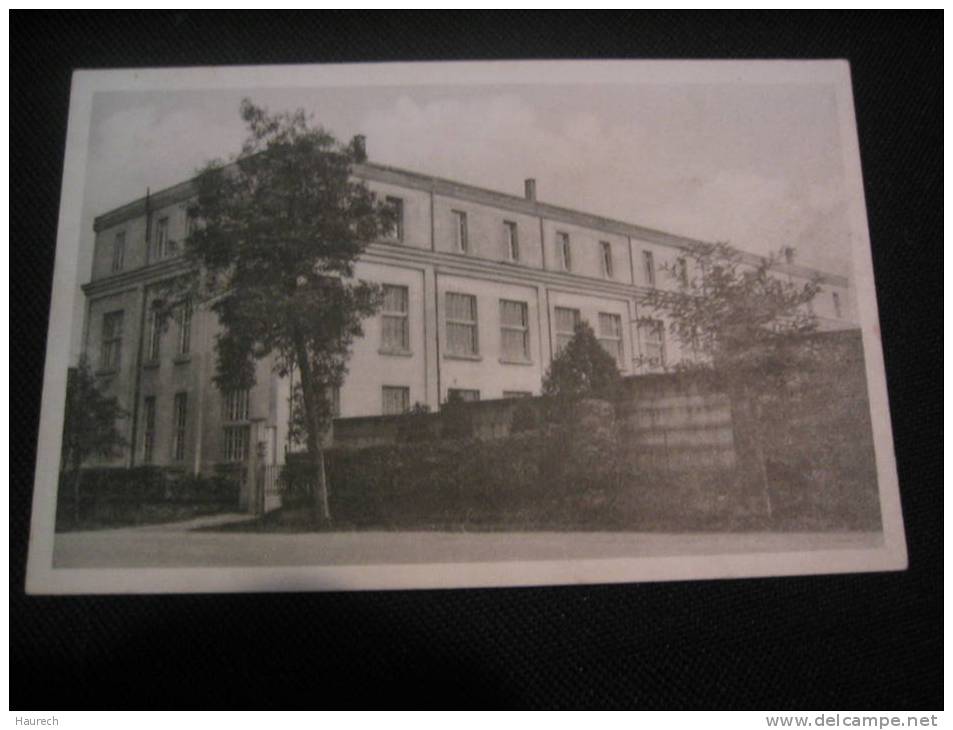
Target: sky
{"type": "Point", "coordinates": [757, 166]}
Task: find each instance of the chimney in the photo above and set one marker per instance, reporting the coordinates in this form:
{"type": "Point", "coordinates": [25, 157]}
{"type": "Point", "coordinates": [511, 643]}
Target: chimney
{"type": "Point", "coordinates": [530, 185]}
{"type": "Point", "coordinates": [359, 145]}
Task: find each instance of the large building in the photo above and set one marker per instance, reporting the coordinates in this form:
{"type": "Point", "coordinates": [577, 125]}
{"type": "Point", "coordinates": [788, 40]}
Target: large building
{"type": "Point", "coordinates": [481, 289]}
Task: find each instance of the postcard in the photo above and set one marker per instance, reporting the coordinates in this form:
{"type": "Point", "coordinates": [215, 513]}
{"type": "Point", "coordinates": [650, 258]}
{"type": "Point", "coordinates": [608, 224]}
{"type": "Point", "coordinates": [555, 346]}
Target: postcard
{"type": "Point", "coordinates": [441, 325]}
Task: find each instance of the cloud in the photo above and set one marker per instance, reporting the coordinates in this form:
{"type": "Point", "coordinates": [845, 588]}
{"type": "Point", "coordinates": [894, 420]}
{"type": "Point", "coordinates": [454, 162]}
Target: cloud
{"type": "Point", "coordinates": [613, 167]}
{"type": "Point", "coordinates": [142, 146]}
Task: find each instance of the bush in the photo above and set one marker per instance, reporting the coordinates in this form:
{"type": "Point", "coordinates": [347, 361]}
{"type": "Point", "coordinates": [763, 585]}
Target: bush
{"type": "Point", "coordinates": [523, 480]}
{"type": "Point", "coordinates": [115, 496]}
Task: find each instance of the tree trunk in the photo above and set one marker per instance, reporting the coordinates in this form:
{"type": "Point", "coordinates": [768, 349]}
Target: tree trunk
{"type": "Point", "coordinates": [319, 484]}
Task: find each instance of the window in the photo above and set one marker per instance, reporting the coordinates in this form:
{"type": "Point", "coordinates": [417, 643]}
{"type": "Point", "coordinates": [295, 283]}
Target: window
{"type": "Point", "coordinates": [396, 399]}
{"type": "Point", "coordinates": [610, 335]}
{"type": "Point", "coordinates": [514, 330]}
{"type": "Point", "coordinates": [237, 430]}
{"type": "Point", "coordinates": [395, 327]}
{"type": "Point", "coordinates": [681, 272]}
{"type": "Point", "coordinates": [185, 328]}
{"type": "Point", "coordinates": [462, 335]}
{"type": "Point", "coordinates": [148, 429]}
{"type": "Point", "coordinates": [119, 251]}
{"type": "Point", "coordinates": [652, 335]}
{"type": "Point", "coordinates": [788, 255]}
{"type": "Point", "coordinates": [467, 396]}
{"type": "Point", "coordinates": [460, 231]}
{"type": "Point", "coordinates": [395, 229]}
{"type": "Point", "coordinates": [517, 394]}
{"type": "Point", "coordinates": [334, 400]}
{"type": "Point", "coordinates": [563, 252]}
{"type": "Point", "coordinates": [235, 445]}
{"type": "Point", "coordinates": [160, 240]}
{"type": "Point", "coordinates": [110, 355]}
{"type": "Point", "coordinates": [838, 312]}
{"type": "Point", "coordinates": [648, 267]}
{"type": "Point", "coordinates": [511, 241]}
{"type": "Point", "coordinates": [606, 248]}
{"type": "Point", "coordinates": [566, 321]}
{"type": "Point", "coordinates": [180, 413]}
{"type": "Point", "coordinates": [235, 405]}
{"type": "Point", "coordinates": [154, 342]}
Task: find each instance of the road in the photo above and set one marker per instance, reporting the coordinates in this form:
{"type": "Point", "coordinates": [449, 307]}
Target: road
{"type": "Point", "coordinates": [168, 546]}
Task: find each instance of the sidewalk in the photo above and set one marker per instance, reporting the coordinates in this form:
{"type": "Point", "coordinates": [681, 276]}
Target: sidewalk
{"type": "Point", "coordinates": [196, 523]}
{"type": "Point", "coordinates": [175, 546]}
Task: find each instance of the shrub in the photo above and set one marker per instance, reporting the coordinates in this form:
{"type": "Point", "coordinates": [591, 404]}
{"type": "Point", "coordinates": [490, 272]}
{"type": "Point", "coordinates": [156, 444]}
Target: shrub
{"type": "Point", "coordinates": [525, 417]}
{"type": "Point", "coordinates": [115, 496]}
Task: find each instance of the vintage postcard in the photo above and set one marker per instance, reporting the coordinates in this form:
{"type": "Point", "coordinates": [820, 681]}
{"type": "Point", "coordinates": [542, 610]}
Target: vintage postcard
{"type": "Point", "coordinates": [461, 324]}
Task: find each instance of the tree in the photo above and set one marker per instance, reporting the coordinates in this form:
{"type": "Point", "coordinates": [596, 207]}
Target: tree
{"type": "Point", "coordinates": [89, 426]}
{"type": "Point", "coordinates": [744, 323]}
{"type": "Point", "coordinates": [582, 369]}
{"type": "Point", "coordinates": [581, 426]}
{"type": "Point", "coordinates": [277, 233]}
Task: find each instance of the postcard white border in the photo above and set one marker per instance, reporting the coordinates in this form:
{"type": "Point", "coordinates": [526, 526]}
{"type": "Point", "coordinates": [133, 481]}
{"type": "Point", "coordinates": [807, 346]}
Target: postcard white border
{"type": "Point", "coordinates": [42, 578]}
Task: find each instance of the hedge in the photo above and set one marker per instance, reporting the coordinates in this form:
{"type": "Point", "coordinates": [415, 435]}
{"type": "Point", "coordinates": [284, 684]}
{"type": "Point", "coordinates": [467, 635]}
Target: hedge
{"type": "Point", "coordinates": [117, 496]}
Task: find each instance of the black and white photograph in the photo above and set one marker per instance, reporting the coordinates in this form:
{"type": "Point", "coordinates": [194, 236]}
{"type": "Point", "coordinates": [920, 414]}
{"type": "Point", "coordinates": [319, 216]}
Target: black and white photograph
{"type": "Point", "coordinates": [462, 324]}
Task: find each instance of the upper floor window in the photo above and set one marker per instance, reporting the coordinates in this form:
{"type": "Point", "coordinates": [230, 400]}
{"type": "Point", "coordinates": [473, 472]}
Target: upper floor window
{"type": "Point", "coordinates": [681, 271]}
{"type": "Point", "coordinates": [838, 312]}
{"type": "Point", "coordinates": [184, 317]}
{"type": "Point", "coordinates": [110, 354]}
{"type": "Point", "coordinates": [395, 327]}
{"type": "Point", "coordinates": [180, 408]}
{"type": "Point", "coordinates": [610, 335]}
{"type": "Point", "coordinates": [154, 341]}
{"type": "Point", "coordinates": [460, 231]}
{"type": "Point", "coordinates": [161, 245]}
{"type": "Point", "coordinates": [606, 249]}
{"type": "Point", "coordinates": [119, 251]}
{"type": "Point", "coordinates": [235, 405]}
{"type": "Point", "coordinates": [566, 321]}
{"type": "Point", "coordinates": [514, 330]}
{"type": "Point", "coordinates": [462, 334]}
{"type": "Point", "coordinates": [511, 241]}
{"type": "Point", "coordinates": [395, 227]}
{"type": "Point", "coordinates": [563, 251]}
{"type": "Point", "coordinates": [652, 336]}
{"type": "Point", "coordinates": [396, 399]}
{"type": "Point", "coordinates": [648, 267]}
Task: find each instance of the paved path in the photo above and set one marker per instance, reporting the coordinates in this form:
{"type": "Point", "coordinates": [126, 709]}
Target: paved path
{"type": "Point", "coordinates": [196, 523]}
{"type": "Point", "coordinates": [154, 547]}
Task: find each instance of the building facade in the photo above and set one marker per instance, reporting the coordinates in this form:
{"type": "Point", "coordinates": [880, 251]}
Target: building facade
{"type": "Point", "coordinates": [481, 289]}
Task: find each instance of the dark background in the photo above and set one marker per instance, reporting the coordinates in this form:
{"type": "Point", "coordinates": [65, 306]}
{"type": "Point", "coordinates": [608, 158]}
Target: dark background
{"type": "Point", "coordinates": [851, 642]}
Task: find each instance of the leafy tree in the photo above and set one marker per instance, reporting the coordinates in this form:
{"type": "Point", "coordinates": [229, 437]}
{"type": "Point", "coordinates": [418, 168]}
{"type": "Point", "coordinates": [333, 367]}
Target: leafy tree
{"type": "Point", "coordinates": [735, 315]}
{"type": "Point", "coordinates": [89, 426]}
{"type": "Point", "coordinates": [582, 369]}
{"type": "Point", "coordinates": [277, 233]}
{"type": "Point", "coordinates": [743, 323]}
